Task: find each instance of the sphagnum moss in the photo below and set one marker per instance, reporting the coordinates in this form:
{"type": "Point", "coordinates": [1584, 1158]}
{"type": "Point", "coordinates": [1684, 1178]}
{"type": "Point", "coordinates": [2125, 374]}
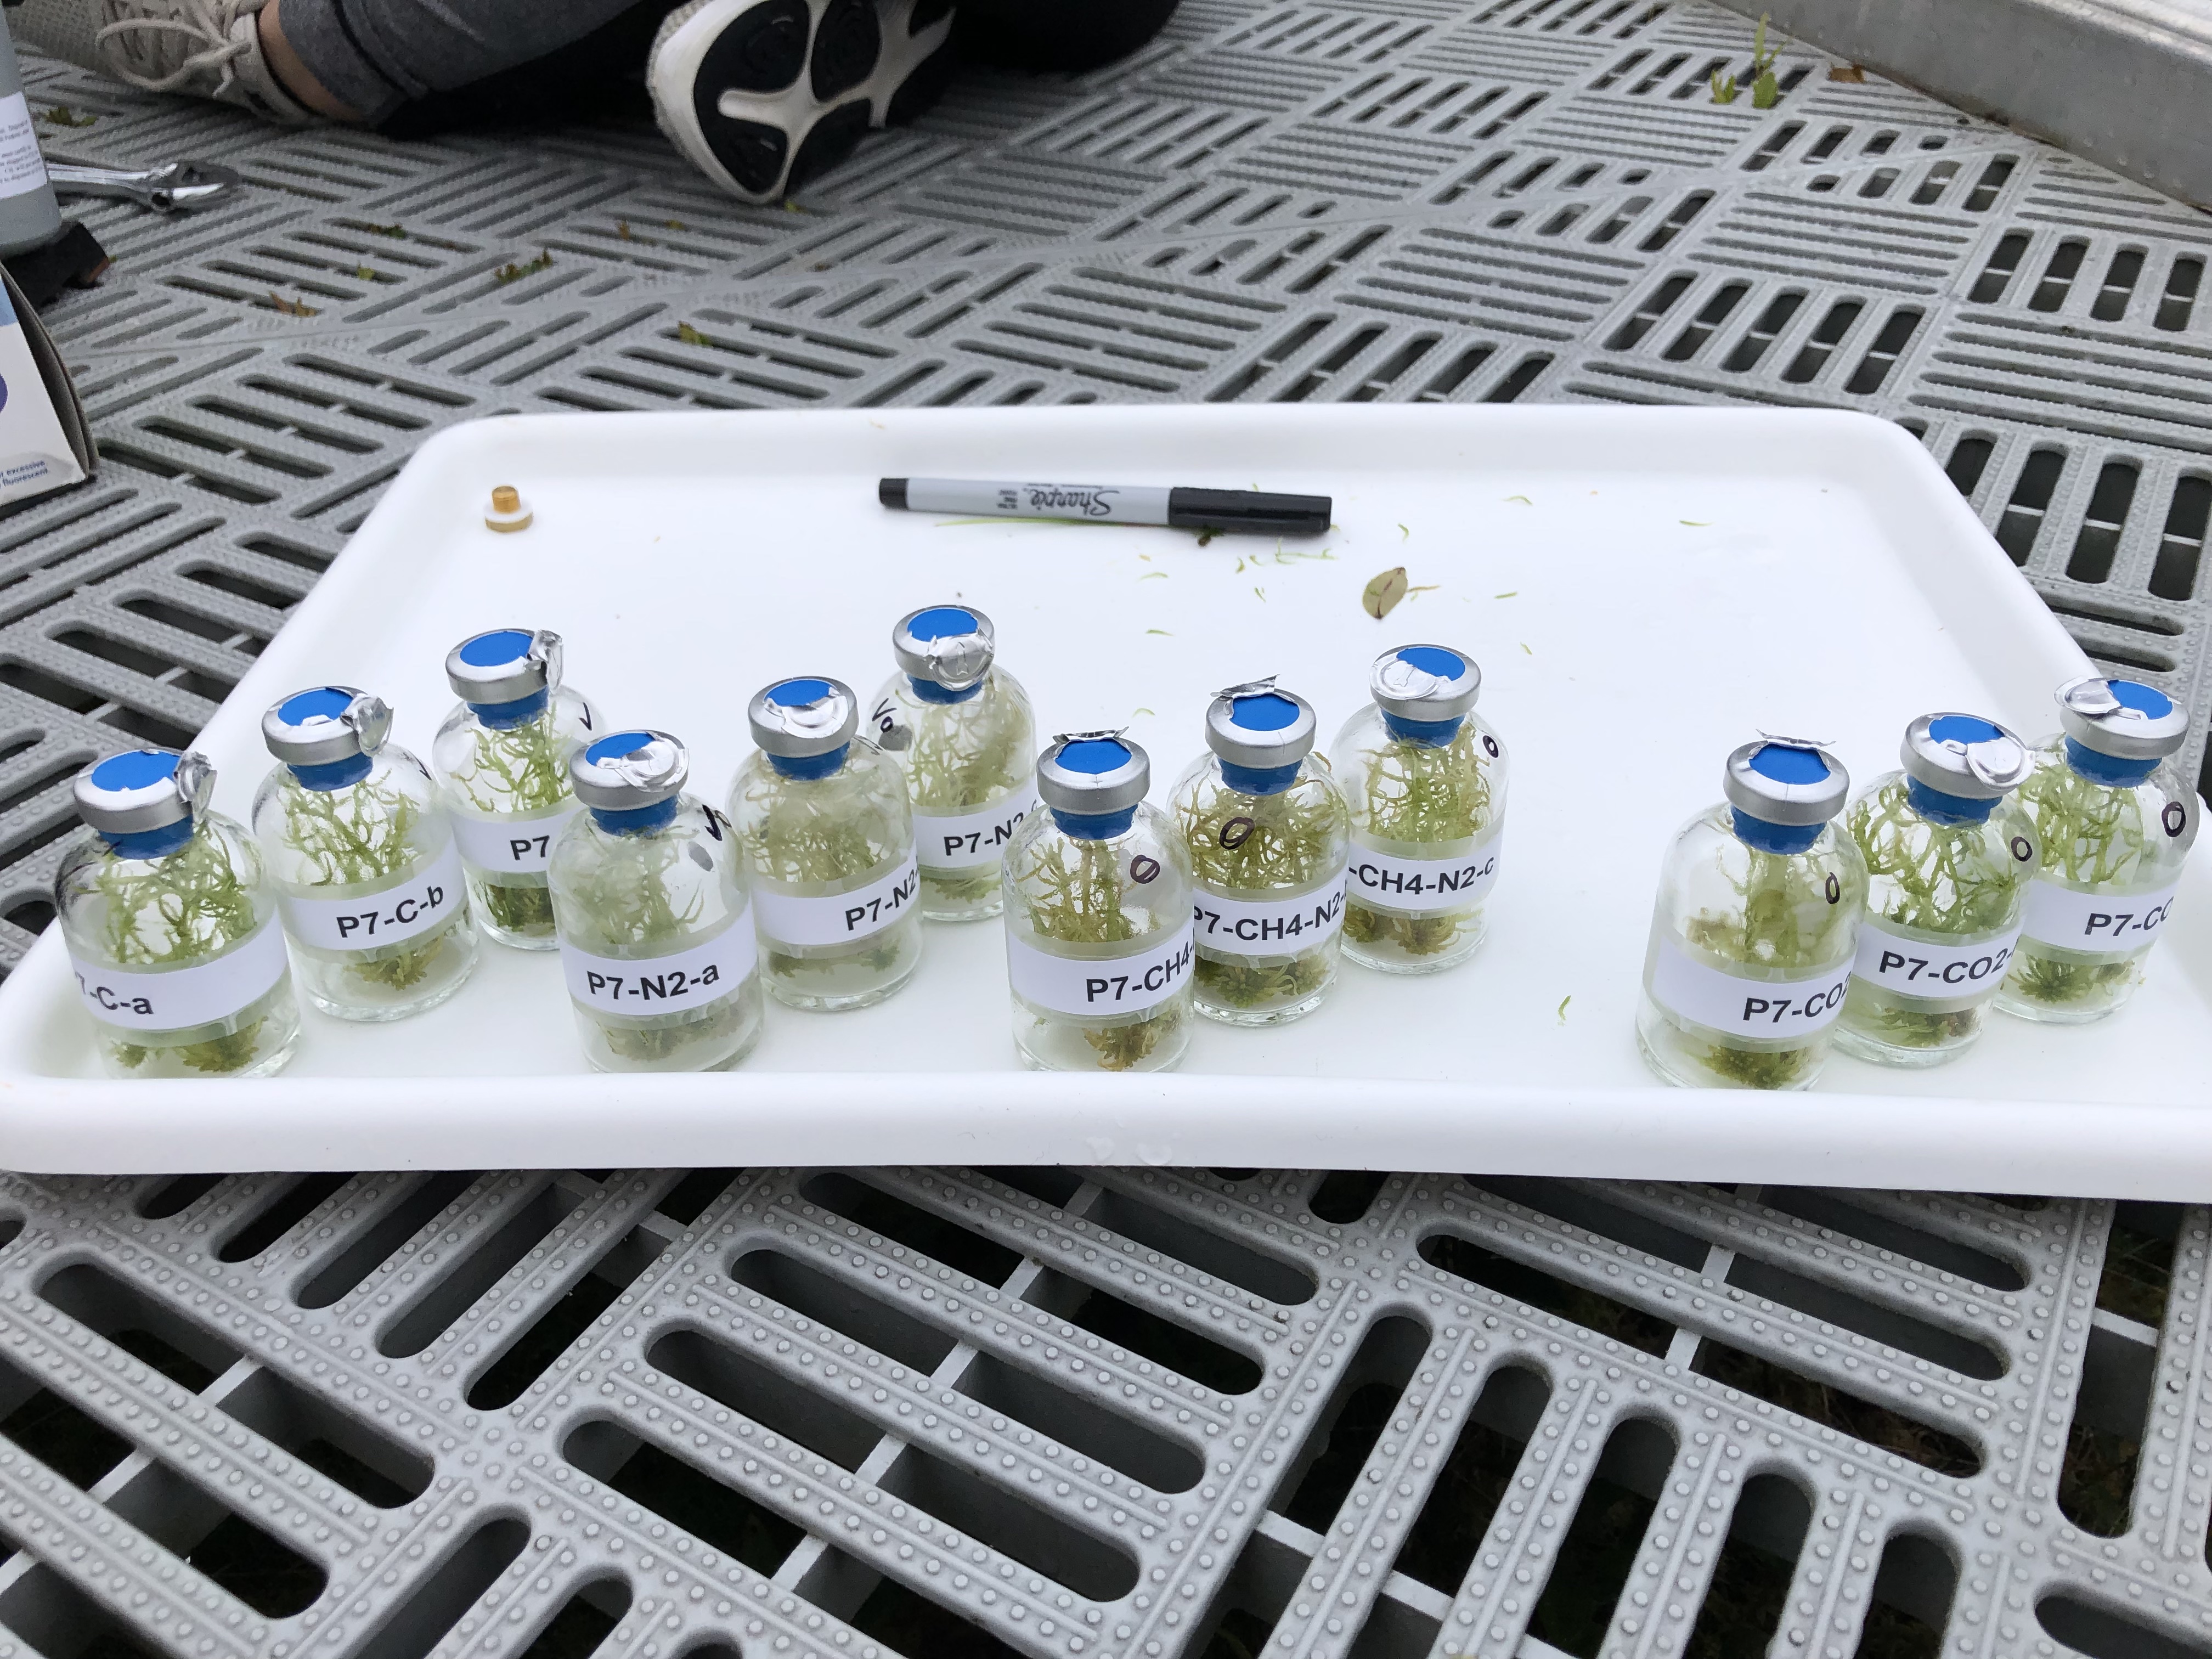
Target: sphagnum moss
{"type": "Point", "coordinates": [182, 908]}
{"type": "Point", "coordinates": [519, 770]}
{"type": "Point", "coordinates": [2093, 835]}
{"type": "Point", "coordinates": [624, 910]}
{"type": "Point", "coordinates": [1080, 904]}
{"type": "Point", "coordinates": [353, 836]}
{"type": "Point", "coordinates": [1285, 842]}
{"type": "Point", "coordinates": [1423, 795]}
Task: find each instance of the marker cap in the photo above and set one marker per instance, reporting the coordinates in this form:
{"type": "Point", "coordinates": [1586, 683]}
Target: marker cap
{"type": "Point", "coordinates": [1258, 727]}
{"type": "Point", "coordinates": [506, 665]}
{"type": "Point", "coordinates": [799, 719]}
{"type": "Point", "coordinates": [630, 771]}
{"type": "Point", "coordinates": [143, 789]}
{"type": "Point", "coordinates": [2124, 719]}
{"type": "Point", "coordinates": [1965, 757]}
{"type": "Point", "coordinates": [1785, 780]}
{"type": "Point", "coordinates": [326, 724]}
{"type": "Point", "coordinates": [947, 645]}
{"type": "Point", "coordinates": [1091, 774]}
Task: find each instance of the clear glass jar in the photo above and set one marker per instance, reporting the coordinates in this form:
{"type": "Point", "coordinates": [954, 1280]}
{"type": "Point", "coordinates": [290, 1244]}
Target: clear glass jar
{"type": "Point", "coordinates": [648, 888]}
{"type": "Point", "coordinates": [502, 758]}
{"type": "Point", "coordinates": [172, 926]}
{"type": "Point", "coordinates": [1949, 856]}
{"type": "Point", "coordinates": [1424, 779]}
{"type": "Point", "coordinates": [1755, 928]}
{"type": "Point", "coordinates": [960, 729]}
{"type": "Point", "coordinates": [1098, 917]}
{"type": "Point", "coordinates": [2115, 829]}
{"type": "Point", "coordinates": [1269, 836]}
{"type": "Point", "coordinates": [828, 843]}
{"type": "Point", "coordinates": [368, 878]}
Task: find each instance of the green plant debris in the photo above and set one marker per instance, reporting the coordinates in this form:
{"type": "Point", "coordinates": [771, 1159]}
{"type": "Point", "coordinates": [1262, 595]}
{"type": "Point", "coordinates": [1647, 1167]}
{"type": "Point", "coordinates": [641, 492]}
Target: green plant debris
{"type": "Point", "coordinates": [1205, 537]}
{"type": "Point", "coordinates": [1696, 524]}
{"type": "Point", "coordinates": [1524, 646]}
{"type": "Point", "coordinates": [1142, 711]}
{"type": "Point", "coordinates": [510, 272]}
{"type": "Point", "coordinates": [1509, 593]}
{"type": "Point", "coordinates": [1153, 575]}
{"type": "Point", "coordinates": [1524, 499]}
{"type": "Point", "coordinates": [1422, 794]}
{"type": "Point", "coordinates": [175, 911]}
{"type": "Point", "coordinates": [398, 232]}
{"type": "Point", "coordinates": [1564, 1002]}
{"type": "Point", "coordinates": [1765, 91]}
{"type": "Point", "coordinates": [293, 307]}
{"type": "Point", "coordinates": [676, 224]}
{"type": "Point", "coordinates": [1385, 593]}
{"type": "Point", "coordinates": [1405, 534]}
{"type": "Point", "coordinates": [622, 229]}
{"type": "Point", "coordinates": [366, 274]}
{"type": "Point", "coordinates": [1161, 632]}
{"type": "Point", "coordinates": [1262, 591]}
{"type": "Point", "coordinates": [61, 115]}
{"type": "Point", "coordinates": [1071, 891]}
{"type": "Point", "coordinates": [689, 335]}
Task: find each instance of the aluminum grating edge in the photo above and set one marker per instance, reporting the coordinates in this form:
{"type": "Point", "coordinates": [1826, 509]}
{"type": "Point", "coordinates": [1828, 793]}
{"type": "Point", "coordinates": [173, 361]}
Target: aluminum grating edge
{"type": "Point", "coordinates": [783, 1409]}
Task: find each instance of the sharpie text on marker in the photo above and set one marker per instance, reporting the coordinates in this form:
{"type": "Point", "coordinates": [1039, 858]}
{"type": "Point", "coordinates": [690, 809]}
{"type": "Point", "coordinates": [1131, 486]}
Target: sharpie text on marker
{"type": "Point", "coordinates": [1241, 512]}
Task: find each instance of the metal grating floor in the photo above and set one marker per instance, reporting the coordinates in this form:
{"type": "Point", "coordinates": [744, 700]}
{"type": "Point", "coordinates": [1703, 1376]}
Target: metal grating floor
{"type": "Point", "coordinates": [1164, 1416]}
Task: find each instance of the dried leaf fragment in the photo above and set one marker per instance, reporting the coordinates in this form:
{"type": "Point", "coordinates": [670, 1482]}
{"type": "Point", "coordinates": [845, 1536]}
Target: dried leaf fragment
{"type": "Point", "coordinates": [689, 335]}
{"type": "Point", "coordinates": [293, 307]}
{"type": "Point", "coordinates": [398, 232]}
{"type": "Point", "coordinates": [511, 271]}
{"type": "Point", "coordinates": [1849, 73]}
{"type": "Point", "coordinates": [1381, 596]}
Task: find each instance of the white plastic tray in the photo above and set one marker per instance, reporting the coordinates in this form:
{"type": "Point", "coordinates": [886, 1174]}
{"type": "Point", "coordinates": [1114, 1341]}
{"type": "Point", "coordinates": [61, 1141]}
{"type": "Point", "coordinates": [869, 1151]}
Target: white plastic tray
{"type": "Point", "coordinates": [1644, 588]}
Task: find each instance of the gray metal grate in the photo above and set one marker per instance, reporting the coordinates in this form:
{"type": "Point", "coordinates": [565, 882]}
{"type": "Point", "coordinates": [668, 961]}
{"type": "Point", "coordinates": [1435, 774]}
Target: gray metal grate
{"type": "Point", "coordinates": [1052, 1411]}
{"type": "Point", "coordinates": [1158, 1415]}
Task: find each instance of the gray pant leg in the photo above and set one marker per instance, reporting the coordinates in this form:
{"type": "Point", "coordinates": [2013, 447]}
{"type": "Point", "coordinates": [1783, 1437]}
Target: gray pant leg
{"type": "Point", "coordinates": [378, 54]}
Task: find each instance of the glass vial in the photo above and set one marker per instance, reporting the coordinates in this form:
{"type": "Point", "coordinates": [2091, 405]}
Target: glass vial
{"type": "Point", "coordinates": [648, 888]}
{"type": "Point", "coordinates": [1424, 779]}
{"type": "Point", "coordinates": [368, 879]}
{"type": "Point", "coordinates": [1756, 927]}
{"type": "Point", "coordinates": [960, 728]}
{"type": "Point", "coordinates": [2116, 820]}
{"type": "Point", "coordinates": [1098, 916]}
{"type": "Point", "coordinates": [172, 925]}
{"type": "Point", "coordinates": [1949, 856]}
{"type": "Point", "coordinates": [828, 840]}
{"type": "Point", "coordinates": [502, 759]}
{"type": "Point", "coordinates": [1269, 836]}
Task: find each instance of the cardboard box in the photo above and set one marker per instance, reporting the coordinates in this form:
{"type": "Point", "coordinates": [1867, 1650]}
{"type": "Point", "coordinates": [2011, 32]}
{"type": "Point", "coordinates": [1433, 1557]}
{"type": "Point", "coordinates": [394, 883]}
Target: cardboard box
{"type": "Point", "coordinates": [46, 444]}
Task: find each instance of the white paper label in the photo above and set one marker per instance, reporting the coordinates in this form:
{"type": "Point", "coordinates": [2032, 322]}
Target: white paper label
{"type": "Point", "coordinates": [184, 997]}
{"type": "Point", "coordinates": [1110, 503]}
{"type": "Point", "coordinates": [837, 918]}
{"type": "Point", "coordinates": [2119, 923]}
{"type": "Point", "coordinates": [369, 921]}
{"type": "Point", "coordinates": [511, 845]}
{"type": "Point", "coordinates": [1116, 985]}
{"type": "Point", "coordinates": [1927, 972]}
{"type": "Point", "coordinates": [1741, 1007]}
{"type": "Point", "coordinates": [969, 841]}
{"type": "Point", "coordinates": [659, 985]}
{"type": "Point", "coordinates": [1424, 887]}
{"type": "Point", "coordinates": [22, 168]}
{"type": "Point", "coordinates": [1289, 926]}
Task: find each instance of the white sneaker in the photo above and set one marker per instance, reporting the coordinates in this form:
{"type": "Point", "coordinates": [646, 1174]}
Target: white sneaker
{"type": "Point", "coordinates": [763, 94]}
{"type": "Point", "coordinates": [206, 48]}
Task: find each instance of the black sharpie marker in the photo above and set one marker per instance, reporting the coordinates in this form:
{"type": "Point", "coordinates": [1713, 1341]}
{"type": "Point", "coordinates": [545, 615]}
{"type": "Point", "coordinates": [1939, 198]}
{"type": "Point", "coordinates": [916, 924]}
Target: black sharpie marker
{"type": "Point", "coordinates": [1241, 512]}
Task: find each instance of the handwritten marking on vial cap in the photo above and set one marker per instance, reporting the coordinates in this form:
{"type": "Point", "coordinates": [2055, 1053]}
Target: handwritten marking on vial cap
{"type": "Point", "coordinates": [507, 512]}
